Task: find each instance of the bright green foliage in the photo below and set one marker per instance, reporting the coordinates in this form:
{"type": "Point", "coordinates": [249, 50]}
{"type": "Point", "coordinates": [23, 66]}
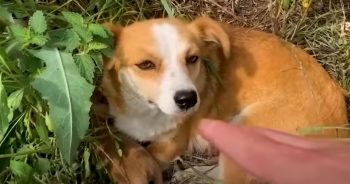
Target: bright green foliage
{"type": "Point", "coordinates": [86, 66]}
{"type": "Point", "coordinates": [83, 33]}
{"type": "Point", "coordinates": [38, 23]}
{"type": "Point", "coordinates": [170, 11]}
{"type": "Point", "coordinates": [74, 19]}
{"type": "Point", "coordinates": [51, 56]}
{"type": "Point", "coordinates": [14, 102]}
{"type": "Point", "coordinates": [71, 40]}
{"type": "Point", "coordinates": [35, 34]}
{"type": "Point", "coordinates": [97, 29]}
{"type": "Point", "coordinates": [68, 96]}
{"type": "Point", "coordinates": [20, 33]}
{"type": "Point", "coordinates": [4, 111]}
{"type": "Point", "coordinates": [93, 46]}
{"type": "Point", "coordinates": [23, 172]}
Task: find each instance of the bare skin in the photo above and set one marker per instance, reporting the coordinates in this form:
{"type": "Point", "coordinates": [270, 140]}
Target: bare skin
{"type": "Point", "coordinates": [279, 158]}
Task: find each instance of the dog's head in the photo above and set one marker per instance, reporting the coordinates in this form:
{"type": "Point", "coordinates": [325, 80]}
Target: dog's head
{"type": "Point", "coordinates": [161, 60]}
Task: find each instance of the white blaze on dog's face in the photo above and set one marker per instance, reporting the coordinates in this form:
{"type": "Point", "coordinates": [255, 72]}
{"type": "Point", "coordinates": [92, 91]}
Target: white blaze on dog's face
{"type": "Point", "coordinates": [160, 61]}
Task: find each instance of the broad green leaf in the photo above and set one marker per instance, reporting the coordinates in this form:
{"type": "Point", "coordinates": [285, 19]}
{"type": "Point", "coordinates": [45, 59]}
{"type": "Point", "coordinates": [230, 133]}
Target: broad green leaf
{"type": "Point", "coordinates": [68, 95]}
{"type": "Point", "coordinates": [21, 34]}
{"type": "Point", "coordinates": [95, 46]}
{"type": "Point", "coordinates": [39, 40]}
{"type": "Point", "coordinates": [42, 165]}
{"type": "Point", "coordinates": [86, 66]}
{"type": "Point", "coordinates": [38, 23]}
{"type": "Point", "coordinates": [22, 171]}
{"type": "Point", "coordinates": [83, 33]}
{"type": "Point", "coordinates": [14, 101]}
{"type": "Point", "coordinates": [4, 111]}
{"type": "Point", "coordinates": [74, 19]}
{"type": "Point", "coordinates": [97, 29]}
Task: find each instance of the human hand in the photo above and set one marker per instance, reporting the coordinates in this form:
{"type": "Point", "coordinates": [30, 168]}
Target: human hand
{"type": "Point", "coordinates": [278, 157]}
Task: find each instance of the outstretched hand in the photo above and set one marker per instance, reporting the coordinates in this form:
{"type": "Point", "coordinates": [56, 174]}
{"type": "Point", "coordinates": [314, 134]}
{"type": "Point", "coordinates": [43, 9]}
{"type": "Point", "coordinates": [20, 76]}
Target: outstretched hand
{"type": "Point", "coordinates": [279, 157]}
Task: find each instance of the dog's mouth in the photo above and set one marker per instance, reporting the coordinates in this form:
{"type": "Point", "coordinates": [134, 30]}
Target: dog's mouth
{"type": "Point", "coordinates": [180, 113]}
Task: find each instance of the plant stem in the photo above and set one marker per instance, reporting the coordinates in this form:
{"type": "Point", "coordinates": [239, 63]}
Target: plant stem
{"type": "Point", "coordinates": [23, 153]}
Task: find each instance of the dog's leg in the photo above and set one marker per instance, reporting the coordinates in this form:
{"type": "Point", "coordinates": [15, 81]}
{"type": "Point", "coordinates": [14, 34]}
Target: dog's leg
{"type": "Point", "coordinates": [135, 166]}
{"type": "Point", "coordinates": [167, 150]}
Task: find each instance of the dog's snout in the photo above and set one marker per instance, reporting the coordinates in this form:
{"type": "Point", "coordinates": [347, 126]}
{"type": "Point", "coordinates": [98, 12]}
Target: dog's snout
{"type": "Point", "coordinates": [185, 99]}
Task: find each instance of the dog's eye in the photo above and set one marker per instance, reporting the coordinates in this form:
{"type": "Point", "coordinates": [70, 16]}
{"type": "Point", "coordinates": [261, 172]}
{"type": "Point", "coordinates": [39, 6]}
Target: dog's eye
{"type": "Point", "coordinates": [146, 65]}
{"type": "Point", "coordinates": [192, 59]}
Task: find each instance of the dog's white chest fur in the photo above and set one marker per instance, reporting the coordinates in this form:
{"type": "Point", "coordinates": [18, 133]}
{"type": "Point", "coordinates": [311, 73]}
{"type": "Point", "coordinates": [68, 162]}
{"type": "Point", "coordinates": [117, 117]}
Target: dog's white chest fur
{"type": "Point", "coordinates": [143, 123]}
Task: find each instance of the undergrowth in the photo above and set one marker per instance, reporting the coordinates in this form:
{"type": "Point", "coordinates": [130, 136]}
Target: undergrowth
{"type": "Point", "coordinates": [51, 56]}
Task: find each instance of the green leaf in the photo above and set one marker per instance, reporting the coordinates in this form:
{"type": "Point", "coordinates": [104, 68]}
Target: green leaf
{"type": "Point", "coordinates": [42, 130]}
{"type": "Point", "coordinates": [97, 57]}
{"type": "Point", "coordinates": [98, 29]}
{"type": "Point", "coordinates": [86, 66]}
{"type": "Point", "coordinates": [14, 101]}
{"type": "Point", "coordinates": [6, 16]}
{"type": "Point", "coordinates": [4, 111]}
{"type": "Point", "coordinates": [48, 123]}
{"type": "Point", "coordinates": [167, 6]}
{"type": "Point", "coordinates": [22, 171]}
{"type": "Point", "coordinates": [71, 40]}
{"type": "Point", "coordinates": [66, 38]}
{"type": "Point", "coordinates": [68, 96]}
{"type": "Point", "coordinates": [95, 46]}
{"type": "Point", "coordinates": [38, 23]}
{"type": "Point", "coordinates": [39, 40]}
{"type": "Point", "coordinates": [83, 33]}
{"type": "Point", "coordinates": [29, 63]}
{"type": "Point", "coordinates": [74, 19]}
{"type": "Point", "coordinates": [21, 34]}
{"type": "Point", "coordinates": [42, 165]}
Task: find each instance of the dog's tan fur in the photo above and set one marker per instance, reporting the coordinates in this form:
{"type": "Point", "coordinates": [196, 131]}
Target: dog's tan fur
{"type": "Point", "coordinates": [267, 83]}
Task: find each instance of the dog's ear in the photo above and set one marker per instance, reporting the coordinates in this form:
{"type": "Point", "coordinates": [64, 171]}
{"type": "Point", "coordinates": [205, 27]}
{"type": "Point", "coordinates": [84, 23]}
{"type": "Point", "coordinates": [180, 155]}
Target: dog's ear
{"type": "Point", "coordinates": [115, 30]}
{"type": "Point", "coordinates": [212, 34]}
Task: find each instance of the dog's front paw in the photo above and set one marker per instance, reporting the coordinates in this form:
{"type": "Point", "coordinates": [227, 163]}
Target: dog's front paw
{"type": "Point", "coordinates": [140, 167]}
{"type": "Point", "coordinates": [135, 166]}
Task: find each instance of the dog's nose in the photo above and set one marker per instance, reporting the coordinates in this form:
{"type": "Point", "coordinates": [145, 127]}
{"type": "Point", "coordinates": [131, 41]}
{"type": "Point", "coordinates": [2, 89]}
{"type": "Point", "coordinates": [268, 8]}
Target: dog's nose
{"type": "Point", "coordinates": [185, 99]}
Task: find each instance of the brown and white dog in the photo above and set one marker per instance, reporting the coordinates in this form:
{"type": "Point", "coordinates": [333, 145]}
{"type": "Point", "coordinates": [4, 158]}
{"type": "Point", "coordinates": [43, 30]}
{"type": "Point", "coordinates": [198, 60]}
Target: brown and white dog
{"type": "Point", "coordinates": [168, 74]}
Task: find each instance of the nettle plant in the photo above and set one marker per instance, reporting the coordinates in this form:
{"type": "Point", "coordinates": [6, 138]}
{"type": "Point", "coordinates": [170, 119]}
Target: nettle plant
{"type": "Point", "coordinates": [48, 67]}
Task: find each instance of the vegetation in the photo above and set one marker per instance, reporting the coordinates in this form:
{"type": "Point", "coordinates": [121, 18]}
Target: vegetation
{"type": "Point", "coordinates": [51, 54]}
